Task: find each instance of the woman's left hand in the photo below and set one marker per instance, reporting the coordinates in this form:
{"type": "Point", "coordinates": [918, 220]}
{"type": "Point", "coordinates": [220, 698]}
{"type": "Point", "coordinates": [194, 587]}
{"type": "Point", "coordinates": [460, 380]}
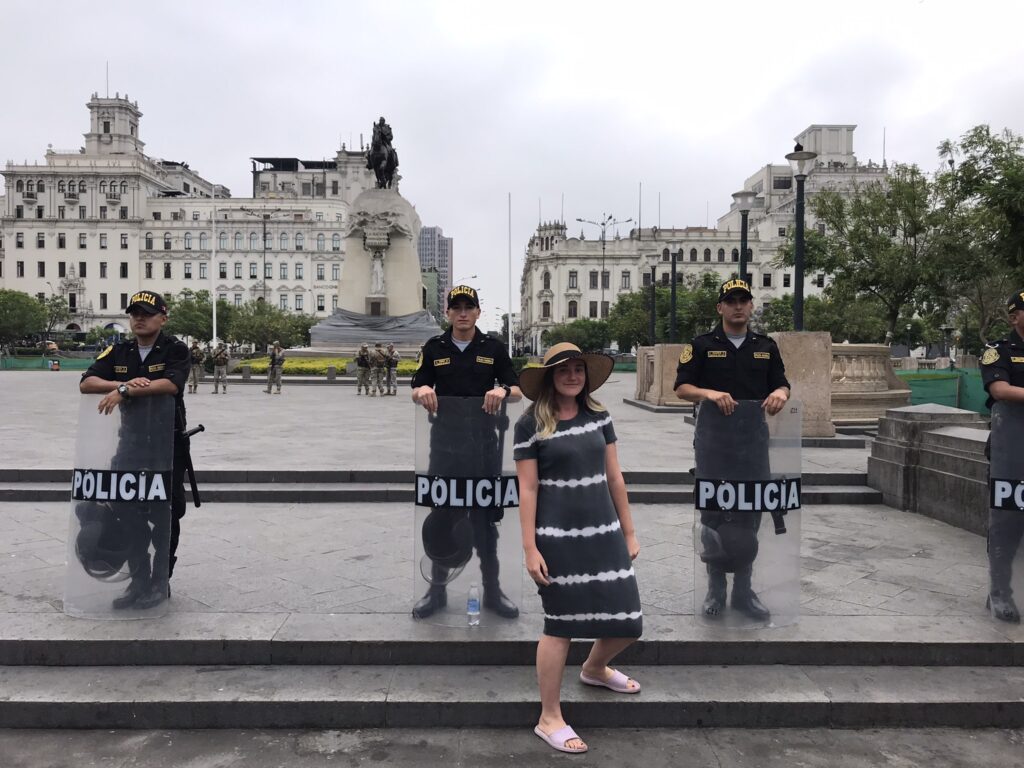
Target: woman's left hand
{"type": "Point", "coordinates": [632, 545]}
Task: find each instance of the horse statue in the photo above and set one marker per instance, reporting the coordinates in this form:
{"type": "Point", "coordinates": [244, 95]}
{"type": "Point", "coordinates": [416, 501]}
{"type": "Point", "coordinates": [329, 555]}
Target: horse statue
{"type": "Point", "coordinates": [381, 157]}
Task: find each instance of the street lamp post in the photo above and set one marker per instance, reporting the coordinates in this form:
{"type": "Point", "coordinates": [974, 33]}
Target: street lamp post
{"type": "Point", "coordinates": [744, 202]}
{"type": "Point", "coordinates": [672, 337]}
{"type": "Point", "coordinates": [946, 330]}
{"type": "Point", "coordinates": [265, 215]}
{"type": "Point", "coordinates": [909, 326]}
{"type": "Point", "coordinates": [801, 161]}
{"type": "Point", "coordinates": [651, 327]}
{"type": "Point", "coordinates": [607, 220]}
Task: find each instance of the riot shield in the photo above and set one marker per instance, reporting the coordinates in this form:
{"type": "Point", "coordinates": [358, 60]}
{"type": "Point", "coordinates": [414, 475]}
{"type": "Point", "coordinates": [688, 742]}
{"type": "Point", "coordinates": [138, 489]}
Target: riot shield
{"type": "Point", "coordinates": [118, 538]}
{"type": "Point", "coordinates": [468, 542]}
{"type": "Point", "coordinates": [747, 515]}
{"type": "Point", "coordinates": [1006, 511]}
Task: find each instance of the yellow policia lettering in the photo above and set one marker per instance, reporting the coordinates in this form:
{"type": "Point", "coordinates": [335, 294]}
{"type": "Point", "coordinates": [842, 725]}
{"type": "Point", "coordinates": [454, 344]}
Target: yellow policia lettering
{"type": "Point", "coordinates": [990, 356]}
{"type": "Point", "coordinates": [442, 361]}
{"type": "Point", "coordinates": [485, 360]}
{"type": "Point", "coordinates": [104, 353]}
{"type": "Point", "coordinates": [686, 355]}
{"type": "Point", "coordinates": [762, 355]}
{"type": "Point", "coordinates": [120, 369]}
{"type": "Point", "coordinates": [145, 298]}
{"type": "Point", "coordinates": [157, 367]}
{"type": "Point", "coordinates": [717, 353]}
{"type": "Point", "coordinates": [461, 290]}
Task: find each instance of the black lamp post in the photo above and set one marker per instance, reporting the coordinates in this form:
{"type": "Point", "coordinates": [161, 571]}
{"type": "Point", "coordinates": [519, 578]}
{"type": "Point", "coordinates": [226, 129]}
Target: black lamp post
{"type": "Point", "coordinates": [651, 330]}
{"type": "Point", "coordinates": [606, 221]}
{"type": "Point", "coordinates": [909, 326]}
{"type": "Point", "coordinates": [801, 161]}
{"type": "Point", "coordinates": [744, 202]}
{"type": "Point", "coordinates": [672, 337]}
{"type": "Point", "coordinates": [946, 330]}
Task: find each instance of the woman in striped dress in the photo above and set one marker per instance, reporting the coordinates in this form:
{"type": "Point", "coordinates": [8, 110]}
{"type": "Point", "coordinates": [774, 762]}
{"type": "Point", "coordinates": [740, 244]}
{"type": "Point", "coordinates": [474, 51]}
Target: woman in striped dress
{"type": "Point", "coordinates": [577, 529]}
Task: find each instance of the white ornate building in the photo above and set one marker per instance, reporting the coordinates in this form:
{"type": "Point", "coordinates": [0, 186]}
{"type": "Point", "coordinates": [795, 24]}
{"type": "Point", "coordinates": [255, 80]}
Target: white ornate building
{"type": "Point", "coordinates": [98, 223]}
{"type": "Point", "coordinates": [565, 278]}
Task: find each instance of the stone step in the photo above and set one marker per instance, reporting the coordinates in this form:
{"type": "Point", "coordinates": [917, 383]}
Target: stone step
{"type": "Point", "coordinates": [49, 639]}
{"type": "Point", "coordinates": [498, 696]}
{"type": "Point", "coordinates": [311, 493]}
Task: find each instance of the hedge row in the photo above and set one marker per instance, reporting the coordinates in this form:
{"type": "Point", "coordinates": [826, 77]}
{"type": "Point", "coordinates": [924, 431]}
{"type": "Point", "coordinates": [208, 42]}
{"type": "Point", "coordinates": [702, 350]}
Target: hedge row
{"type": "Point", "coordinates": [317, 366]}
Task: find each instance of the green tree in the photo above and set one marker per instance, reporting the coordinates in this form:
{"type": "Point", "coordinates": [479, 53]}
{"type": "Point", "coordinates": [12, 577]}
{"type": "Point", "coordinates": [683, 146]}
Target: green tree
{"type": "Point", "coordinates": [261, 324]}
{"type": "Point", "coordinates": [858, 322]}
{"type": "Point", "coordinates": [190, 314]}
{"type": "Point", "coordinates": [21, 315]}
{"type": "Point", "coordinates": [57, 311]}
{"type": "Point", "coordinates": [589, 335]}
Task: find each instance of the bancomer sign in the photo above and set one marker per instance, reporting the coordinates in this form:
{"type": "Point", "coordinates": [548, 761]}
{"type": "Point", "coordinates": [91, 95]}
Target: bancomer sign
{"type": "Point", "coordinates": [110, 485]}
{"type": "Point", "coordinates": [748, 495]}
{"type": "Point", "coordinates": [470, 492]}
{"type": "Point", "coordinates": [1006, 494]}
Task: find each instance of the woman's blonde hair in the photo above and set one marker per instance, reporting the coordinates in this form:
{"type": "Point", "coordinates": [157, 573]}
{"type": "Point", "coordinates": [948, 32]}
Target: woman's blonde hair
{"type": "Point", "coordinates": [544, 412]}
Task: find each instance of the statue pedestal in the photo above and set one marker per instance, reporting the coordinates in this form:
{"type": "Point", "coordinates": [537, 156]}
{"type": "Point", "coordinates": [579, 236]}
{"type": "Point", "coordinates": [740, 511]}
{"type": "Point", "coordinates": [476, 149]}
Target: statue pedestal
{"type": "Point", "coordinates": [864, 386]}
{"type": "Point", "coordinates": [377, 306]}
{"type": "Point", "coordinates": [656, 373]}
{"type": "Point", "coordinates": [808, 359]}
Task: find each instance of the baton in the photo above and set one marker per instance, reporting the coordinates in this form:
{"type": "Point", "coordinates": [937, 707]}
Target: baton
{"type": "Point", "coordinates": [194, 431]}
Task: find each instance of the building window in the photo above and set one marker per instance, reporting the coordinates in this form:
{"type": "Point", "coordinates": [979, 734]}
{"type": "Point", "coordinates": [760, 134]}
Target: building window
{"type": "Point", "coordinates": [103, 211]}
{"type": "Point", "coordinates": [735, 254]}
{"type": "Point", "coordinates": [283, 300]}
{"type": "Point", "coordinates": [40, 240]}
{"type": "Point", "coordinates": [188, 270]}
{"type": "Point", "coordinates": [103, 270]}
{"type": "Point", "coordinates": [222, 270]}
{"type": "Point", "coordinates": [593, 309]}
{"type": "Point", "coordinates": [254, 241]}
{"type": "Point", "coordinates": [124, 270]}
{"type": "Point", "coordinates": [167, 270]}
{"type": "Point", "coordinates": [204, 241]}
{"type": "Point", "coordinates": [103, 301]}
{"type": "Point", "coordinates": [647, 280]}
{"type": "Point", "coordinates": [335, 271]}
{"type": "Point", "coordinates": [625, 280]}
{"type": "Point", "coordinates": [298, 271]}
{"type": "Point", "coordinates": [593, 282]}
{"type": "Point", "coordinates": [547, 281]}
{"type": "Point", "coordinates": [336, 242]}
{"type": "Point", "coordinates": [665, 278]}
{"type": "Point", "coordinates": [786, 279]}
{"type": "Point", "coordinates": [41, 269]}
{"type": "Point", "coordinates": [284, 241]}
{"type": "Point", "coordinates": [149, 241]}
{"type": "Point", "coordinates": [319, 271]}
{"type": "Point", "coordinates": [62, 240]}
{"type": "Point", "coordinates": [319, 302]}
{"type": "Point", "coordinates": [298, 303]}
{"type": "Point", "coordinates": [284, 270]}
{"type": "Point", "coordinates": [820, 280]}
{"type": "Point", "coordinates": [707, 254]}
{"type": "Point", "coordinates": [222, 241]}
{"type": "Point", "coordinates": [573, 309]}
{"type": "Point", "coordinates": [545, 310]}
{"type": "Point", "coordinates": [268, 270]}
{"type": "Point", "coordinates": [721, 254]}
{"type": "Point", "coordinates": [604, 309]}
{"type": "Point", "coordinates": [238, 241]}
{"type": "Point", "coordinates": [62, 269]}
{"type": "Point", "coordinates": [238, 299]}
{"type": "Point", "coordinates": [334, 302]}
{"type": "Point", "coordinates": [60, 212]}
{"type": "Point", "coordinates": [782, 231]}
{"type": "Point", "coordinates": [222, 297]}
{"type": "Point", "coordinates": [253, 274]}
{"type": "Point", "coordinates": [195, 214]}
{"type": "Point", "coordinates": [81, 211]}
{"type": "Point", "coordinates": [81, 268]}
{"type": "Point", "coordinates": [103, 241]}
{"type": "Point", "coordinates": [19, 270]}
{"type": "Point", "coordinates": [573, 282]}
{"type": "Point", "coordinates": [606, 278]}
{"type": "Point", "coordinates": [321, 241]}
{"type": "Point", "coordinates": [81, 240]}
{"type": "Point", "coordinates": [157, 215]}
{"type": "Point", "coordinates": [766, 279]}
{"type": "Point", "coordinates": [238, 270]}
{"type": "Point", "coordinates": [167, 241]}
{"type": "Point", "coordinates": [268, 241]}
{"type": "Point", "coordinates": [19, 212]}
{"type": "Point", "coordinates": [124, 242]}
{"type": "Point", "coordinates": [299, 241]}
{"type": "Point", "coordinates": [188, 241]}
{"type": "Point", "coordinates": [19, 240]}
{"type": "Point", "coordinates": [124, 301]}
{"type": "Point", "coordinates": [123, 212]}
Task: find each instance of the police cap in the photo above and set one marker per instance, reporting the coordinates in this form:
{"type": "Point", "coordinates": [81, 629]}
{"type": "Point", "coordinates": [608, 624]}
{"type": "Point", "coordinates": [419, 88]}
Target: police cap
{"type": "Point", "coordinates": [463, 293]}
{"type": "Point", "coordinates": [732, 287]}
{"type": "Point", "coordinates": [149, 302]}
{"type": "Point", "coordinates": [1015, 302]}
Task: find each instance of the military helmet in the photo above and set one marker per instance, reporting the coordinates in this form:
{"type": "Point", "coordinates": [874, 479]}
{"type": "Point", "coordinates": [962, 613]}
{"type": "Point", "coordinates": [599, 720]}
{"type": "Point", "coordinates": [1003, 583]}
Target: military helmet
{"type": "Point", "coordinates": [447, 542]}
{"type": "Point", "coordinates": [103, 542]}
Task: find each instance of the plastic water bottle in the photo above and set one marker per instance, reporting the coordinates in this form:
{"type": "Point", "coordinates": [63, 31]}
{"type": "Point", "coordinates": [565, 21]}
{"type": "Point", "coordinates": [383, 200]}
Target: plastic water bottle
{"type": "Point", "coordinates": [473, 606]}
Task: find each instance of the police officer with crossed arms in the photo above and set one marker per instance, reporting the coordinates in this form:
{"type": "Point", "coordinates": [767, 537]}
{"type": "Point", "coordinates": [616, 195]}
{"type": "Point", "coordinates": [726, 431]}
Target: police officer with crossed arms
{"type": "Point", "coordinates": [729, 364]}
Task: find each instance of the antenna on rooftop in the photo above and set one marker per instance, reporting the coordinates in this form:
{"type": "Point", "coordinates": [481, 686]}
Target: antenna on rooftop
{"type": "Point", "coordinates": [108, 79]}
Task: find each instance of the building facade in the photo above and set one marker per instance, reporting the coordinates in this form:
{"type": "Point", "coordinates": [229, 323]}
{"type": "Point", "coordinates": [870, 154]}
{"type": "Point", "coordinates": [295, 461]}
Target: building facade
{"type": "Point", "coordinates": [97, 223]}
{"type": "Point", "coordinates": [567, 278]}
{"type": "Point", "coordinates": [435, 252]}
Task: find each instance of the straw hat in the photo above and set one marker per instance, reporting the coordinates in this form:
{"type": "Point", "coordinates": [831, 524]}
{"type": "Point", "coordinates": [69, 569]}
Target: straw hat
{"type": "Point", "coordinates": [599, 368]}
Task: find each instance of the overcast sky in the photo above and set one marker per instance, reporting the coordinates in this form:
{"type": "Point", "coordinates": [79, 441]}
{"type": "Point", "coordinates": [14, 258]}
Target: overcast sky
{"type": "Point", "coordinates": [540, 100]}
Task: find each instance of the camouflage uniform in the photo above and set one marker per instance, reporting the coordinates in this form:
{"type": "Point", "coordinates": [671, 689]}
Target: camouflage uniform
{"type": "Point", "coordinates": [274, 369]}
{"type": "Point", "coordinates": [378, 363]}
{"type": "Point", "coordinates": [393, 358]}
{"type": "Point", "coordinates": [195, 372]}
{"type": "Point", "coordinates": [220, 369]}
{"type": "Point", "coordinates": [363, 369]}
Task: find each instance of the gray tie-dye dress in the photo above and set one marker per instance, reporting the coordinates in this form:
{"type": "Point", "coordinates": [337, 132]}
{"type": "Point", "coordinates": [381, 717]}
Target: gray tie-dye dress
{"type": "Point", "coordinates": [593, 590]}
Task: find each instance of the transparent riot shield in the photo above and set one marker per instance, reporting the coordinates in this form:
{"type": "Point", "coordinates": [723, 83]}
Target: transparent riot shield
{"type": "Point", "coordinates": [747, 516]}
{"type": "Point", "coordinates": [1006, 511]}
{"type": "Point", "coordinates": [468, 543]}
{"type": "Point", "coordinates": [119, 535]}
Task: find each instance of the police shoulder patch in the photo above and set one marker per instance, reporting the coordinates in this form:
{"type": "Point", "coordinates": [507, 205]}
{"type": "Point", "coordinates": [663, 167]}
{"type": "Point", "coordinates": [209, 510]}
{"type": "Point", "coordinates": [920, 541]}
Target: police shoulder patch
{"type": "Point", "coordinates": [686, 355]}
{"type": "Point", "coordinates": [104, 353]}
{"type": "Point", "coordinates": [990, 356]}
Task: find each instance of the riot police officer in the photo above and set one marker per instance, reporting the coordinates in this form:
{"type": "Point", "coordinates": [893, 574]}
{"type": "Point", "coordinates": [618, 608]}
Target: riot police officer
{"type": "Point", "coordinates": [729, 364]}
{"type": "Point", "coordinates": [1002, 372]}
{"type": "Point", "coordinates": [150, 364]}
{"type": "Point", "coordinates": [463, 362]}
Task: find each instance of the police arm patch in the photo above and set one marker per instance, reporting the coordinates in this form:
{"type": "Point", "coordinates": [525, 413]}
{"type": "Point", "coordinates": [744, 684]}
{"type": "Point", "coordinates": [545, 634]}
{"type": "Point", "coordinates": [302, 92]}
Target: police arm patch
{"type": "Point", "coordinates": [990, 356]}
{"type": "Point", "coordinates": [686, 355]}
{"type": "Point", "coordinates": [104, 353]}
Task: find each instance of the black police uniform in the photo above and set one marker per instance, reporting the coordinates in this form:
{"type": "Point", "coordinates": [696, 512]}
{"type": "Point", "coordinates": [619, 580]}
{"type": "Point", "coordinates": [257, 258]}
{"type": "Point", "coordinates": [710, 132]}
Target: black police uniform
{"type": "Point", "coordinates": [168, 359]}
{"type": "Point", "coordinates": [750, 372]}
{"type": "Point", "coordinates": [471, 372]}
{"type": "Point", "coordinates": [1003, 360]}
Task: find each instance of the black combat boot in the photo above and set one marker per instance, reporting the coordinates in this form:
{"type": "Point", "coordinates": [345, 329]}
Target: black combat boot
{"type": "Point", "coordinates": [745, 599]}
{"type": "Point", "coordinates": [159, 588]}
{"type": "Point", "coordinates": [714, 601]}
{"type": "Point", "coordinates": [494, 599]}
{"type": "Point", "coordinates": [435, 599]}
{"type": "Point", "coordinates": [1002, 607]}
{"type": "Point", "coordinates": [138, 586]}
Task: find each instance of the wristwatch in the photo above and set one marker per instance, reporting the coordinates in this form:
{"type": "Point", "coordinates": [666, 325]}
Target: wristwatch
{"type": "Point", "coordinates": [508, 390]}
{"type": "Point", "coordinates": [122, 390]}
